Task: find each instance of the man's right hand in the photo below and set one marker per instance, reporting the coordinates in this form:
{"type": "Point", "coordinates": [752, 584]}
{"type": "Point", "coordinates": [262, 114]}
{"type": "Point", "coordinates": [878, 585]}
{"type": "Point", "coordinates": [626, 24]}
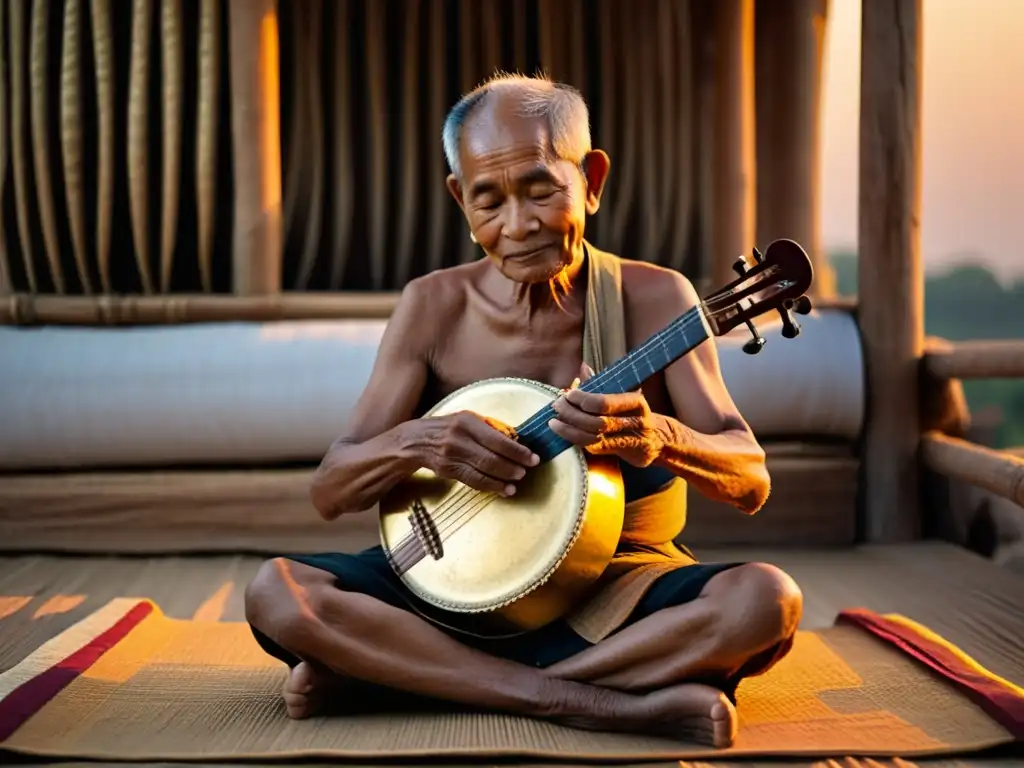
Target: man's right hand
{"type": "Point", "coordinates": [477, 451]}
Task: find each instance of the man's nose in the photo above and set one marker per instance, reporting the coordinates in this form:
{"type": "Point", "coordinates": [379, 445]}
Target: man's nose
{"type": "Point", "coordinates": [520, 222]}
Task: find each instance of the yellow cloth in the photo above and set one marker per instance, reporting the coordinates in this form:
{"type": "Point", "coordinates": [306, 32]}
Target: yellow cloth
{"type": "Point", "coordinates": [646, 547]}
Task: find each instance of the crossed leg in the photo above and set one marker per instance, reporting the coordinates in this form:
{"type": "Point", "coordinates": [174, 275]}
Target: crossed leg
{"type": "Point", "coordinates": [638, 679]}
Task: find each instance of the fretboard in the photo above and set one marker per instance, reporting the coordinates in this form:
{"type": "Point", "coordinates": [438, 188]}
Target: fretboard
{"type": "Point", "coordinates": [677, 339]}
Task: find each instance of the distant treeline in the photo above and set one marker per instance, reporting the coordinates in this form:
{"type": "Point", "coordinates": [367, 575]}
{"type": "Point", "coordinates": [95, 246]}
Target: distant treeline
{"type": "Point", "coordinates": [967, 302]}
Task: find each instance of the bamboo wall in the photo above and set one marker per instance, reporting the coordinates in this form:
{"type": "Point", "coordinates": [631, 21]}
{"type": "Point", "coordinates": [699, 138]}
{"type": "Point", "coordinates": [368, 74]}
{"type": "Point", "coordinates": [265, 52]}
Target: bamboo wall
{"type": "Point", "coordinates": [117, 150]}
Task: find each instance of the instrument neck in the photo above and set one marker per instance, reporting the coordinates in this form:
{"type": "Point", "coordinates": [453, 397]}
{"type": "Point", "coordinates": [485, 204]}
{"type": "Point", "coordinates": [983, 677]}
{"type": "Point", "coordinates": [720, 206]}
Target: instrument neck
{"type": "Point", "coordinates": [677, 339]}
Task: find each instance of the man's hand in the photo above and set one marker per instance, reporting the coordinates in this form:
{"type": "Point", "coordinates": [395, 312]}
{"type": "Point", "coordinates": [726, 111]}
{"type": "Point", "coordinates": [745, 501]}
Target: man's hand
{"type": "Point", "coordinates": [621, 425]}
{"type": "Point", "coordinates": [477, 451]}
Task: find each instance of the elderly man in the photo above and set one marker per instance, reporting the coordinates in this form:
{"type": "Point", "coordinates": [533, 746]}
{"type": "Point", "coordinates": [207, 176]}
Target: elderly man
{"type": "Point", "coordinates": [525, 175]}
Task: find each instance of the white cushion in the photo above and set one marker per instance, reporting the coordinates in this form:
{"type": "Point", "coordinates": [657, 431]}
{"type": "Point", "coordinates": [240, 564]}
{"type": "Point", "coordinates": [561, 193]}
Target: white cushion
{"type": "Point", "coordinates": [272, 392]}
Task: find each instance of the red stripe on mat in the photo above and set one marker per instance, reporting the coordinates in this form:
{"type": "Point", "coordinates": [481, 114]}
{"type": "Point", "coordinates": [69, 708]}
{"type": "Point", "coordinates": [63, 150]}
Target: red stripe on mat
{"type": "Point", "coordinates": [998, 700]}
{"type": "Point", "coordinates": [28, 698]}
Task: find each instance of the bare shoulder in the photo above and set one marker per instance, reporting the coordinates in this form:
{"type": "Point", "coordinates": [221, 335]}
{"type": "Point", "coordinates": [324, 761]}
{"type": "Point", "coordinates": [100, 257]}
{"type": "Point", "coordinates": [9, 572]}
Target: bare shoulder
{"type": "Point", "coordinates": [653, 295]}
{"type": "Point", "coordinates": [427, 305]}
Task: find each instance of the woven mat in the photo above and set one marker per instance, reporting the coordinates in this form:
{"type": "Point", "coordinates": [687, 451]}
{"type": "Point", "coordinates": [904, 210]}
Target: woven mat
{"type": "Point", "coordinates": [129, 683]}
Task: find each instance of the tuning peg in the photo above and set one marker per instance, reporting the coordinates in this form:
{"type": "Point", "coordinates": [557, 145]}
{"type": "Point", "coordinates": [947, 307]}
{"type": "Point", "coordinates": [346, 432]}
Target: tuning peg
{"type": "Point", "coordinates": [740, 266]}
{"type": "Point", "coordinates": [756, 344]}
{"type": "Point", "coordinates": [790, 328]}
{"type": "Point", "coordinates": [757, 256]}
{"type": "Point", "coordinates": [802, 306]}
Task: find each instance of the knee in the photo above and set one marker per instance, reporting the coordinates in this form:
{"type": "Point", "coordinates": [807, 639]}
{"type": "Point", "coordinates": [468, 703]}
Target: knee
{"type": "Point", "coordinates": [276, 600]}
{"type": "Point", "coordinates": [768, 598]}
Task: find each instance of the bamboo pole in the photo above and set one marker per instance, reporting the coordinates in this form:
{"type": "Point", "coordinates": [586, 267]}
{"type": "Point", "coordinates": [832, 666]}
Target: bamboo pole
{"type": "Point", "coordinates": [44, 309]}
{"type": "Point", "coordinates": [172, 72]}
{"type": "Point", "coordinates": [996, 471]}
{"type": "Point", "coordinates": [28, 309]}
{"type": "Point", "coordinates": [977, 360]}
{"type": "Point", "coordinates": [790, 46]}
{"type": "Point", "coordinates": [256, 143]}
{"type": "Point", "coordinates": [890, 271]}
{"type": "Point", "coordinates": [72, 139]}
{"type": "Point", "coordinates": [40, 123]}
{"type": "Point", "coordinates": [208, 112]}
{"type": "Point", "coordinates": [103, 50]}
{"type": "Point", "coordinates": [734, 177]}
{"type": "Point", "coordinates": [140, 66]}
{"type": "Point", "coordinates": [705, 80]}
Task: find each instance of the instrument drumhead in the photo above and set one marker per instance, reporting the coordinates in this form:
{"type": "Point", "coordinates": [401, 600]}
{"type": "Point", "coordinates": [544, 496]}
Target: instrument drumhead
{"type": "Point", "coordinates": [496, 549]}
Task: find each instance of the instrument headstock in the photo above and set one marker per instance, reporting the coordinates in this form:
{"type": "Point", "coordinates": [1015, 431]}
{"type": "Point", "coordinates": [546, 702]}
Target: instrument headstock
{"type": "Point", "coordinates": [776, 281]}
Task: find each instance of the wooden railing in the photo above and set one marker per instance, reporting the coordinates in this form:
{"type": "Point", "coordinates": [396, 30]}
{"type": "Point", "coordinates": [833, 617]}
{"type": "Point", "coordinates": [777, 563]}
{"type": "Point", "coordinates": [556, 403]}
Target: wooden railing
{"type": "Point", "coordinates": [999, 472]}
{"type": "Point", "coordinates": [1002, 359]}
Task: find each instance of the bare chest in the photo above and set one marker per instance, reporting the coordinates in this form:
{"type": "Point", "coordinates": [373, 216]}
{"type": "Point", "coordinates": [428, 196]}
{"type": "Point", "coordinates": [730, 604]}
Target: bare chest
{"type": "Point", "coordinates": [477, 350]}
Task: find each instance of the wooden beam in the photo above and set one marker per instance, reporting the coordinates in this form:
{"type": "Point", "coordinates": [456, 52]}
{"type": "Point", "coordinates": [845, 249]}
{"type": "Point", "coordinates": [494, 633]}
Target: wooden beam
{"type": "Point", "coordinates": [1000, 472]}
{"type": "Point", "coordinates": [268, 510]}
{"type": "Point", "coordinates": [44, 309]}
{"type": "Point", "coordinates": [734, 177]}
{"type": "Point", "coordinates": [255, 67]}
{"type": "Point", "coordinates": [891, 293]}
{"type": "Point", "coordinates": [977, 360]}
{"type": "Point", "coordinates": [790, 47]}
{"type": "Point", "coordinates": [23, 309]}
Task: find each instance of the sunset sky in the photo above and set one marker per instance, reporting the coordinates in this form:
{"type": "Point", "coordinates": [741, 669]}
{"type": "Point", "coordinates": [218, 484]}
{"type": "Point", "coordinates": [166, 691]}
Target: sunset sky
{"type": "Point", "coordinates": [973, 123]}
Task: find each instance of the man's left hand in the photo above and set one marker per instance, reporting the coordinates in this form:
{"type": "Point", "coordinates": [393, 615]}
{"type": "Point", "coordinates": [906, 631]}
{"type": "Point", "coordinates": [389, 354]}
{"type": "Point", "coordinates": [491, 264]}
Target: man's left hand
{"type": "Point", "coordinates": [621, 424]}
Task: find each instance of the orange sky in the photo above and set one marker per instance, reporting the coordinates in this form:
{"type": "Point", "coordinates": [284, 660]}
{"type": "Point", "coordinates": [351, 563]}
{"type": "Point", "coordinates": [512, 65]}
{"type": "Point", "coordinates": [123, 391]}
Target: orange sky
{"type": "Point", "coordinates": [973, 123]}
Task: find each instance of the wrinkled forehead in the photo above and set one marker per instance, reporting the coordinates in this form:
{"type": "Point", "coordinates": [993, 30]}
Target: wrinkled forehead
{"type": "Point", "coordinates": [496, 135]}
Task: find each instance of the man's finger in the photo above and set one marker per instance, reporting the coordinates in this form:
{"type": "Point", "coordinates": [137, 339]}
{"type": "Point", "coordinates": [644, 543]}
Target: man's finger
{"type": "Point", "coordinates": [592, 402]}
{"type": "Point", "coordinates": [573, 434]}
{"type": "Point", "coordinates": [580, 419]}
{"type": "Point", "coordinates": [502, 444]}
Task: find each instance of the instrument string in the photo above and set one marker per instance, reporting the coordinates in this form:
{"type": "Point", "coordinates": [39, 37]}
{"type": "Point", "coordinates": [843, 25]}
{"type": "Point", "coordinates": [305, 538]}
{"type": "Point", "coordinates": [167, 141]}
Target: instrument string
{"type": "Point", "coordinates": [410, 550]}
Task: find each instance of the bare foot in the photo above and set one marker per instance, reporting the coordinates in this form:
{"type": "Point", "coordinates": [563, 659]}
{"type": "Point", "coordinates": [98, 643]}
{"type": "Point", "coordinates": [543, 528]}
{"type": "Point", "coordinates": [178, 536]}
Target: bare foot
{"type": "Point", "coordinates": [692, 712]}
{"type": "Point", "coordinates": [689, 712]}
{"type": "Point", "coordinates": [306, 690]}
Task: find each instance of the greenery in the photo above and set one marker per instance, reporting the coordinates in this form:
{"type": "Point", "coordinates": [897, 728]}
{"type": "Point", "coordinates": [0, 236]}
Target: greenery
{"type": "Point", "coordinates": [963, 303]}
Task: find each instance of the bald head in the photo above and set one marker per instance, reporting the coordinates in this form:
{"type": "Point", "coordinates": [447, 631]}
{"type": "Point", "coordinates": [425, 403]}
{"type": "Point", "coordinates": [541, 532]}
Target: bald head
{"type": "Point", "coordinates": [505, 98]}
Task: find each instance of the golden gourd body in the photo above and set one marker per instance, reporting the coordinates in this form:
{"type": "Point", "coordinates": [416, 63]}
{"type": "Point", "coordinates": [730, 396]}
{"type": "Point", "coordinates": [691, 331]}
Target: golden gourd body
{"type": "Point", "coordinates": [528, 558]}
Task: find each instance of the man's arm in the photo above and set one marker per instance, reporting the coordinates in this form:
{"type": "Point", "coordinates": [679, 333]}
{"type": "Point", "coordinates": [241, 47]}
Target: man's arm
{"type": "Point", "coordinates": [707, 441]}
{"type": "Point", "coordinates": [380, 444]}
{"type": "Point", "coordinates": [704, 440]}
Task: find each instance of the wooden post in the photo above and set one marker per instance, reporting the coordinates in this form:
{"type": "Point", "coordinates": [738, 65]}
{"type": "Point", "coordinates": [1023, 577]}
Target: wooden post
{"type": "Point", "coordinates": [734, 179]}
{"type": "Point", "coordinates": [256, 146]}
{"type": "Point", "coordinates": [790, 45]}
{"type": "Point", "coordinates": [5, 277]}
{"type": "Point", "coordinates": [891, 294]}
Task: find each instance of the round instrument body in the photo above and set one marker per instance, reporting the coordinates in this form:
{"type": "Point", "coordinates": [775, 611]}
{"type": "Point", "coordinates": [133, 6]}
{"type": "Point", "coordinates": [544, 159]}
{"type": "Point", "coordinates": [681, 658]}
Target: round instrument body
{"type": "Point", "coordinates": [559, 530]}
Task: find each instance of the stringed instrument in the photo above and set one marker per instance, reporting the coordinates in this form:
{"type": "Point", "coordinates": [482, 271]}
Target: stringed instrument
{"type": "Point", "coordinates": [528, 559]}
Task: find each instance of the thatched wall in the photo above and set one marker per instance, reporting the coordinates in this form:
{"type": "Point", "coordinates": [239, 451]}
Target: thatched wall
{"type": "Point", "coordinates": [118, 146]}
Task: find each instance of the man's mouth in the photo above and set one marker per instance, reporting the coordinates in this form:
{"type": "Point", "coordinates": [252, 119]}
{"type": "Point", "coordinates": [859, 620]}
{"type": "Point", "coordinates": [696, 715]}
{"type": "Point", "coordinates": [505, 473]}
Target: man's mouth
{"type": "Point", "coordinates": [527, 254]}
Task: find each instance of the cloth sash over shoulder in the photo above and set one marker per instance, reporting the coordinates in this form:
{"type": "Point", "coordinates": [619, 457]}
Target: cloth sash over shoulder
{"type": "Point", "coordinates": [646, 549]}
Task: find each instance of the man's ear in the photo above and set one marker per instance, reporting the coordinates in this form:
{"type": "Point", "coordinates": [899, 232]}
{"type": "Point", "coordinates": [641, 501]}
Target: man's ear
{"type": "Point", "coordinates": [596, 165]}
{"type": "Point", "coordinates": [456, 189]}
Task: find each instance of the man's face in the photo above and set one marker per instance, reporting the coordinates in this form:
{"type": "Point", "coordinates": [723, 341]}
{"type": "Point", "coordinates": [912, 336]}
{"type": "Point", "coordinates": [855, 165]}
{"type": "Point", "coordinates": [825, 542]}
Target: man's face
{"type": "Point", "coordinates": [525, 207]}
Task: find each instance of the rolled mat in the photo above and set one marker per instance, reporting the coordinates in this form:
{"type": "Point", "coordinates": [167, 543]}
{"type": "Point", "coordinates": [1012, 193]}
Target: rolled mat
{"type": "Point", "coordinates": [263, 393]}
{"type": "Point", "coordinates": [128, 683]}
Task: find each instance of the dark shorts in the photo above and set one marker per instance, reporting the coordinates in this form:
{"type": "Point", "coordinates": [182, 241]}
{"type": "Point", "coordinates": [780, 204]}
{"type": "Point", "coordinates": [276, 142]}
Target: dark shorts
{"type": "Point", "coordinates": [369, 573]}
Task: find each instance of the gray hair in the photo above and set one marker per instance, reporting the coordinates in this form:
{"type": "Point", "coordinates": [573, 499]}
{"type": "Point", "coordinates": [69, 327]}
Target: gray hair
{"type": "Point", "coordinates": [563, 106]}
